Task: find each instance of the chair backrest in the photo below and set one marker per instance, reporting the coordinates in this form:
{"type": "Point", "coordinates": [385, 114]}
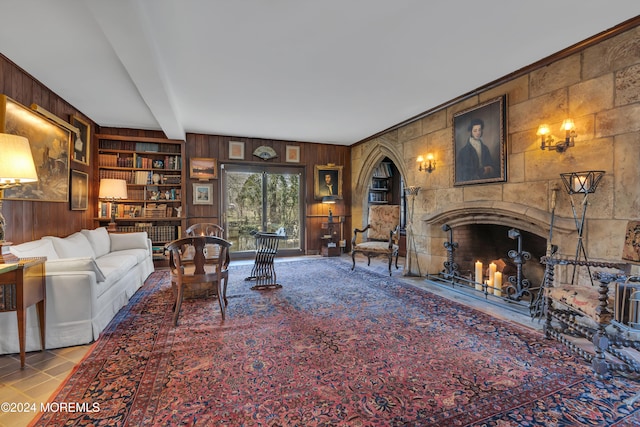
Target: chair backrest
{"type": "Point", "coordinates": [205, 229]}
{"type": "Point", "coordinates": [383, 219]}
{"type": "Point", "coordinates": [189, 256]}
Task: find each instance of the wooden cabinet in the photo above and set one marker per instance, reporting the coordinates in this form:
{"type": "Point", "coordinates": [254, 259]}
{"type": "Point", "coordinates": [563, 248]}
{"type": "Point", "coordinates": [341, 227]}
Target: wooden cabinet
{"type": "Point", "coordinates": [154, 170]}
{"type": "Point", "coordinates": [331, 235]}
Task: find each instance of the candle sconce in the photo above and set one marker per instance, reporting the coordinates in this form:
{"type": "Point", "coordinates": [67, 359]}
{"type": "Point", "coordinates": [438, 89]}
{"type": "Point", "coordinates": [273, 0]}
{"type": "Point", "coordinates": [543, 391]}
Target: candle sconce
{"type": "Point", "coordinates": [548, 141]}
{"type": "Point", "coordinates": [428, 165]}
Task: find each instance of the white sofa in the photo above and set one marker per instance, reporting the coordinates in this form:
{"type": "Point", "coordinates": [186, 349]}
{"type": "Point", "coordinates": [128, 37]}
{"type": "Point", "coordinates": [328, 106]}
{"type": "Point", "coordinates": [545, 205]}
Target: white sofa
{"type": "Point", "coordinates": [90, 276]}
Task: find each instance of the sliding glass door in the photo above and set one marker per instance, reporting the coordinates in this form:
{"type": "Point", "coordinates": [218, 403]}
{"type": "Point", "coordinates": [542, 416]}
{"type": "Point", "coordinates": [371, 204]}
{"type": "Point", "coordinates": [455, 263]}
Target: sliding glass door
{"type": "Point", "coordinates": [262, 198]}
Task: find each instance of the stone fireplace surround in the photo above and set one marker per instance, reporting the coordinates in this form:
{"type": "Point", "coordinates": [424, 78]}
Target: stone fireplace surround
{"type": "Point", "coordinates": [481, 230]}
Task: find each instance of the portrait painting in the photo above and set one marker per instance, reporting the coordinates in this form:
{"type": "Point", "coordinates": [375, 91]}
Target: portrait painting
{"type": "Point", "coordinates": [327, 181]}
{"type": "Point", "coordinates": [79, 198]}
{"type": "Point", "coordinates": [479, 143]}
{"type": "Point", "coordinates": [50, 149]}
{"type": "Point", "coordinates": [80, 141]}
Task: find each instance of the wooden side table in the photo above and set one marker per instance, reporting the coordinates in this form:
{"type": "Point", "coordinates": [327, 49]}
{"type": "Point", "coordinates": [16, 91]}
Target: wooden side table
{"type": "Point", "coordinates": [23, 284]}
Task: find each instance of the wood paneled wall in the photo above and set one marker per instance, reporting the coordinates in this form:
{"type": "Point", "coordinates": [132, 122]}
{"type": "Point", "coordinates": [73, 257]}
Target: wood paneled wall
{"type": "Point", "coordinates": [311, 154]}
{"type": "Point", "coordinates": [29, 220]}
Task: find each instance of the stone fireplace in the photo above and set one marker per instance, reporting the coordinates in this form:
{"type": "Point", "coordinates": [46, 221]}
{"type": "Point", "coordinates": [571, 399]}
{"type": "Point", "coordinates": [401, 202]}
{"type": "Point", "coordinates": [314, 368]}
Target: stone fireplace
{"type": "Point", "coordinates": [489, 231]}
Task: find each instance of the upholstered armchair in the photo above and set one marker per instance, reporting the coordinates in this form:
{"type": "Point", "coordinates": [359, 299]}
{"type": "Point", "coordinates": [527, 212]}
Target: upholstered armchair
{"type": "Point", "coordinates": [380, 236]}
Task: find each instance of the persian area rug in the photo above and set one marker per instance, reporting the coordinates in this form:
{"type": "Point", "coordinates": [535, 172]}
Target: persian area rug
{"type": "Point", "coordinates": [332, 347]}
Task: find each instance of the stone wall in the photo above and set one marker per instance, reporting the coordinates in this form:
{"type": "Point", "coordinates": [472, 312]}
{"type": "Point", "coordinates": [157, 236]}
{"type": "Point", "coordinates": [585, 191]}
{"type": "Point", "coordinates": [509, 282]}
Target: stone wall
{"type": "Point", "coordinates": [598, 86]}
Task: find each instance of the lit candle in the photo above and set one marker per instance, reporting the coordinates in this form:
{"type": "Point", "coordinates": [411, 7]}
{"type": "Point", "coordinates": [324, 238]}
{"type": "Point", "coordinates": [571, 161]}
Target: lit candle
{"type": "Point", "coordinates": [492, 271]}
{"type": "Point", "coordinates": [580, 184]}
{"type": "Point", "coordinates": [497, 284]}
{"type": "Point", "coordinates": [478, 275]}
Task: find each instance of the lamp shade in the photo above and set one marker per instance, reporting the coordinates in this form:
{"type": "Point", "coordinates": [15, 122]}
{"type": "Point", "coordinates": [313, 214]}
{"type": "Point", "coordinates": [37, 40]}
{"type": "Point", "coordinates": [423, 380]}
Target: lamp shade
{"type": "Point", "coordinates": [329, 199]}
{"type": "Point", "coordinates": [16, 160]}
{"type": "Point", "coordinates": [112, 189]}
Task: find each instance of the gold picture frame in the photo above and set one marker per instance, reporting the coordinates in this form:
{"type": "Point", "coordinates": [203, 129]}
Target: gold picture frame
{"type": "Point", "coordinates": [50, 145]}
{"type": "Point", "coordinates": [327, 181]}
{"type": "Point", "coordinates": [203, 168]}
{"type": "Point", "coordinates": [488, 122]}
{"type": "Point", "coordinates": [79, 189]}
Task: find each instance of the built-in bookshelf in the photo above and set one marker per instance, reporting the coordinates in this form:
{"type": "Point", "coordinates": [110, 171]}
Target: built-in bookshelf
{"type": "Point", "coordinates": [380, 191]}
{"type": "Point", "coordinates": [155, 174]}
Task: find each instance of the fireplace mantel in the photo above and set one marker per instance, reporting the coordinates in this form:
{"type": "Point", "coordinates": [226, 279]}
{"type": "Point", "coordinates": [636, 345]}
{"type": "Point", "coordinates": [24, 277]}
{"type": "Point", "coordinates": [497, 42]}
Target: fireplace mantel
{"type": "Point", "coordinates": [514, 215]}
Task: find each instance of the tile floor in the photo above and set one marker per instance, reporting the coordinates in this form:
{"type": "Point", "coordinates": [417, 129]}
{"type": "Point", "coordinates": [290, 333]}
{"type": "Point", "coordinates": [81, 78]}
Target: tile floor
{"type": "Point", "coordinates": [46, 371]}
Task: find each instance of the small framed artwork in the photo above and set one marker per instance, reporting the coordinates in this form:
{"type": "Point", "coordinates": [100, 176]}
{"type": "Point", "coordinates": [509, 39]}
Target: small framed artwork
{"type": "Point", "coordinates": [203, 168]}
{"type": "Point", "coordinates": [327, 181]}
{"type": "Point", "coordinates": [479, 143]}
{"type": "Point", "coordinates": [81, 140]}
{"type": "Point", "coordinates": [293, 154]}
{"type": "Point", "coordinates": [203, 194]}
{"type": "Point", "coordinates": [236, 150]}
{"type": "Point", "coordinates": [79, 188]}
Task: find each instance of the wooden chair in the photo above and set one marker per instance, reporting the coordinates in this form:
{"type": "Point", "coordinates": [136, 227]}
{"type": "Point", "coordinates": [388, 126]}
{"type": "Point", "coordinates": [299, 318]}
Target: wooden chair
{"type": "Point", "coordinates": [597, 312]}
{"type": "Point", "coordinates": [381, 235]}
{"type": "Point", "coordinates": [191, 265]}
{"type": "Point", "coordinates": [205, 229]}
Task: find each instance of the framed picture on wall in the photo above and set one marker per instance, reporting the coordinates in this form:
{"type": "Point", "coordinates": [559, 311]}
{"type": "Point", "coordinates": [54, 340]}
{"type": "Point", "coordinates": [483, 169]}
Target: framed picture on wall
{"type": "Point", "coordinates": [202, 168]}
{"type": "Point", "coordinates": [327, 181]}
{"type": "Point", "coordinates": [293, 154]}
{"type": "Point", "coordinates": [202, 194]}
{"type": "Point", "coordinates": [79, 188]}
{"type": "Point", "coordinates": [479, 143]}
{"type": "Point", "coordinates": [49, 147]}
{"type": "Point", "coordinates": [80, 141]}
{"type": "Point", "coordinates": [236, 150]}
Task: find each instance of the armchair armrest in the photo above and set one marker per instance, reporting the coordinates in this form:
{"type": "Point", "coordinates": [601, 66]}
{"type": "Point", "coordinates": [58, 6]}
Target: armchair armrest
{"type": "Point", "coordinates": [355, 234]}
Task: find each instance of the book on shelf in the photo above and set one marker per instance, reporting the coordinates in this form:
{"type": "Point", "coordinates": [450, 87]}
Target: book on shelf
{"type": "Point", "coordinates": [383, 170]}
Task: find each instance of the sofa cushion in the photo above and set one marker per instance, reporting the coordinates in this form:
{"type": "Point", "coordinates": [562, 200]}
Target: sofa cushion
{"type": "Point", "coordinates": [114, 266]}
{"type": "Point", "coordinates": [36, 248]}
{"type": "Point", "coordinates": [99, 239]}
{"type": "Point", "coordinates": [137, 240]}
{"type": "Point", "coordinates": [73, 246]}
{"type": "Point", "coordinates": [64, 265]}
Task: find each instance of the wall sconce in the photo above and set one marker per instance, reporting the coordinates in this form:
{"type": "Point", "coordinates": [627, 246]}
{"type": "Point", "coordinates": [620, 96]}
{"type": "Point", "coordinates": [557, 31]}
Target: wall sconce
{"type": "Point", "coordinates": [428, 165]}
{"type": "Point", "coordinates": [112, 190]}
{"type": "Point", "coordinates": [547, 140]}
{"type": "Point", "coordinates": [330, 200]}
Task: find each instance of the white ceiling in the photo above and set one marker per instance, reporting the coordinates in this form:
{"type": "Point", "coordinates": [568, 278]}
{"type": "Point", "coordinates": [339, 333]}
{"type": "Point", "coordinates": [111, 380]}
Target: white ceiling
{"type": "Point", "coordinates": [332, 71]}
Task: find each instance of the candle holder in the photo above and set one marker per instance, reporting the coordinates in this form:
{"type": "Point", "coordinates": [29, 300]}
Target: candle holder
{"type": "Point", "coordinates": [518, 285]}
{"type": "Point", "coordinates": [450, 266]}
{"type": "Point", "coordinates": [412, 191]}
{"type": "Point", "coordinates": [583, 183]}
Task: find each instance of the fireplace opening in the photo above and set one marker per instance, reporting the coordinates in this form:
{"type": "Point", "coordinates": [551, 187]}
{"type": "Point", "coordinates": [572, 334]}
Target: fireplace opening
{"type": "Point", "coordinates": [505, 246]}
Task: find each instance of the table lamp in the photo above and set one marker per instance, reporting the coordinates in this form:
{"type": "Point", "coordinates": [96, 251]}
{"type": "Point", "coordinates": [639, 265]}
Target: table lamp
{"type": "Point", "coordinates": [112, 190]}
{"type": "Point", "coordinates": [331, 200]}
{"type": "Point", "coordinates": [16, 168]}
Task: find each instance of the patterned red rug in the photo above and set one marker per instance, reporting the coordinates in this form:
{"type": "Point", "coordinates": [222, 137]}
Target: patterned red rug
{"type": "Point", "coordinates": [331, 347]}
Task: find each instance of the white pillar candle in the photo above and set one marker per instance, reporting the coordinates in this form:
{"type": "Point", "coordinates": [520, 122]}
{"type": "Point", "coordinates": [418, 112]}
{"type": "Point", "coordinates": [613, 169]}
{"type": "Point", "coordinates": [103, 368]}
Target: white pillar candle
{"type": "Point", "coordinates": [492, 271]}
{"type": "Point", "coordinates": [478, 275]}
{"type": "Point", "coordinates": [497, 284]}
